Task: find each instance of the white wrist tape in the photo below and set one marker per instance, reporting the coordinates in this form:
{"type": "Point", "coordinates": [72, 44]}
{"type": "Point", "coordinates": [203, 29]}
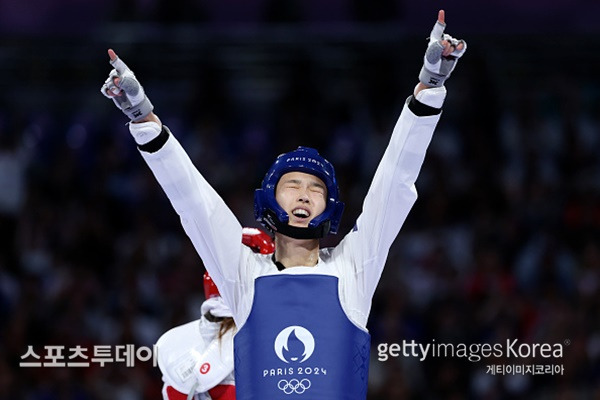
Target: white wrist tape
{"type": "Point", "coordinates": [432, 97]}
{"type": "Point", "coordinates": [144, 132]}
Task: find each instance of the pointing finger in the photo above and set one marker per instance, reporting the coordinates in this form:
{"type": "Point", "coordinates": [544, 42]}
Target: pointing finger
{"type": "Point", "coordinates": [438, 29]}
{"type": "Point", "coordinates": [116, 62]}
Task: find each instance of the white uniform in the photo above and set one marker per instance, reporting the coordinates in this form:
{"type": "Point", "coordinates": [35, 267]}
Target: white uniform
{"type": "Point", "coordinates": [193, 359]}
{"type": "Point", "coordinates": [357, 261]}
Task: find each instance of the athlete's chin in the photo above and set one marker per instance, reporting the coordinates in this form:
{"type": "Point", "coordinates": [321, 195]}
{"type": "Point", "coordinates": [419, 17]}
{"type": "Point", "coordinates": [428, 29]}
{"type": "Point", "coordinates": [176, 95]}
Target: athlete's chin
{"type": "Point", "coordinates": [299, 224]}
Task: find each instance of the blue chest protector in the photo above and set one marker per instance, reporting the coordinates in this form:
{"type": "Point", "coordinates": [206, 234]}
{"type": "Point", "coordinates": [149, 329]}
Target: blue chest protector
{"type": "Point", "coordinates": [299, 344]}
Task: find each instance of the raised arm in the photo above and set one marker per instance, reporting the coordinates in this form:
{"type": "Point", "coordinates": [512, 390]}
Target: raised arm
{"type": "Point", "coordinates": [210, 224]}
{"type": "Point", "coordinates": [392, 192]}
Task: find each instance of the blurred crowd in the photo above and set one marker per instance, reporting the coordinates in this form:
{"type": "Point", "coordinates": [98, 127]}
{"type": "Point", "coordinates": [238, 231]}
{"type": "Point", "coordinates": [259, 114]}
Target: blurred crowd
{"type": "Point", "coordinates": [503, 243]}
{"type": "Point", "coordinates": [77, 16]}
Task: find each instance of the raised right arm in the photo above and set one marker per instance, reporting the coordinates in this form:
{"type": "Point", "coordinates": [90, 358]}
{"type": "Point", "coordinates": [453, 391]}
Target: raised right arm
{"type": "Point", "coordinates": [215, 232]}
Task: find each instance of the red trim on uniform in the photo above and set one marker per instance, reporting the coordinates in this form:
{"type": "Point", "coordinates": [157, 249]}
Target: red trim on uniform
{"type": "Point", "coordinates": [173, 394]}
{"type": "Point", "coordinates": [259, 242]}
{"type": "Point", "coordinates": [222, 392]}
{"type": "Point", "coordinates": [210, 289]}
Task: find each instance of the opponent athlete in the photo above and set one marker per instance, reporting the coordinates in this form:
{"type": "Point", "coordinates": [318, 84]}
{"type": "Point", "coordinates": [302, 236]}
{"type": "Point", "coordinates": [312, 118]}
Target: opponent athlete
{"type": "Point", "coordinates": [196, 359]}
{"type": "Point", "coordinates": [301, 313]}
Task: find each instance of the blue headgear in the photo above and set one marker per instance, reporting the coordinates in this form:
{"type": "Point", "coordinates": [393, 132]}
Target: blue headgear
{"type": "Point", "coordinates": [269, 213]}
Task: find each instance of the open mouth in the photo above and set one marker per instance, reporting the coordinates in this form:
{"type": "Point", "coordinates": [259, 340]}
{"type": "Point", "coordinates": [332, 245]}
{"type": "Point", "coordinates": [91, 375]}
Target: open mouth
{"type": "Point", "coordinates": [300, 213]}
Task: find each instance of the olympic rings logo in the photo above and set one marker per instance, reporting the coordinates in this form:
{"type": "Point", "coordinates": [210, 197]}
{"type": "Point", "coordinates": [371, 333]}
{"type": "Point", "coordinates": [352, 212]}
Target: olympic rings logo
{"type": "Point", "coordinates": [293, 386]}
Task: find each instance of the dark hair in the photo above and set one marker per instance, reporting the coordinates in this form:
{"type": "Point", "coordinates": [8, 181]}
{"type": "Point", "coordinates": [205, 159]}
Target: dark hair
{"type": "Point", "coordinates": [226, 325]}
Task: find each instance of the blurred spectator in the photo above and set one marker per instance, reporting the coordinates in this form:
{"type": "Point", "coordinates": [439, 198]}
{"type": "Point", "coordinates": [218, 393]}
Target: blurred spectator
{"type": "Point", "coordinates": [14, 159]}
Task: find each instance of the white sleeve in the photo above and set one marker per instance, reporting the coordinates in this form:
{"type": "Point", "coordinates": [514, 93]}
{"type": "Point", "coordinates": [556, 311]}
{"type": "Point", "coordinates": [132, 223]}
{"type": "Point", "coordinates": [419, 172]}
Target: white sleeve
{"type": "Point", "coordinates": [175, 357]}
{"type": "Point", "coordinates": [386, 206]}
{"type": "Point", "coordinates": [215, 364]}
{"type": "Point", "coordinates": [189, 362]}
{"type": "Point", "coordinates": [213, 229]}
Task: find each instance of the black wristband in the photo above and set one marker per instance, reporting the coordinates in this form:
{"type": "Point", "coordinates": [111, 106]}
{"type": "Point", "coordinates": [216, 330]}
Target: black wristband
{"type": "Point", "coordinates": [420, 109]}
{"type": "Point", "coordinates": [157, 143]}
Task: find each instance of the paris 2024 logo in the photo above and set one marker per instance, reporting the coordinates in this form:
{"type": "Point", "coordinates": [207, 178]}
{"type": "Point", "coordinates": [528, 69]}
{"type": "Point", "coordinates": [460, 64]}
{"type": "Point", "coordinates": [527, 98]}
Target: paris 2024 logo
{"type": "Point", "coordinates": [294, 345]}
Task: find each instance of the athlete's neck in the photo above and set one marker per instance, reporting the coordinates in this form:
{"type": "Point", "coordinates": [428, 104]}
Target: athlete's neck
{"type": "Point", "coordinates": [296, 252]}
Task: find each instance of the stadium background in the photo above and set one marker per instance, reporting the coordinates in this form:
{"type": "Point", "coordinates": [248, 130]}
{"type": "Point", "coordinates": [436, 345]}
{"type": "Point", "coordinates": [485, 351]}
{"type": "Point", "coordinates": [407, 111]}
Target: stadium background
{"type": "Point", "coordinates": [503, 242]}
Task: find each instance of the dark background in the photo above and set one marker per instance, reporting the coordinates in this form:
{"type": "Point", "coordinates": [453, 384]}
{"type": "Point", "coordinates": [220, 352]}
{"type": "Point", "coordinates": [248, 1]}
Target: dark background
{"type": "Point", "coordinates": [503, 242]}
